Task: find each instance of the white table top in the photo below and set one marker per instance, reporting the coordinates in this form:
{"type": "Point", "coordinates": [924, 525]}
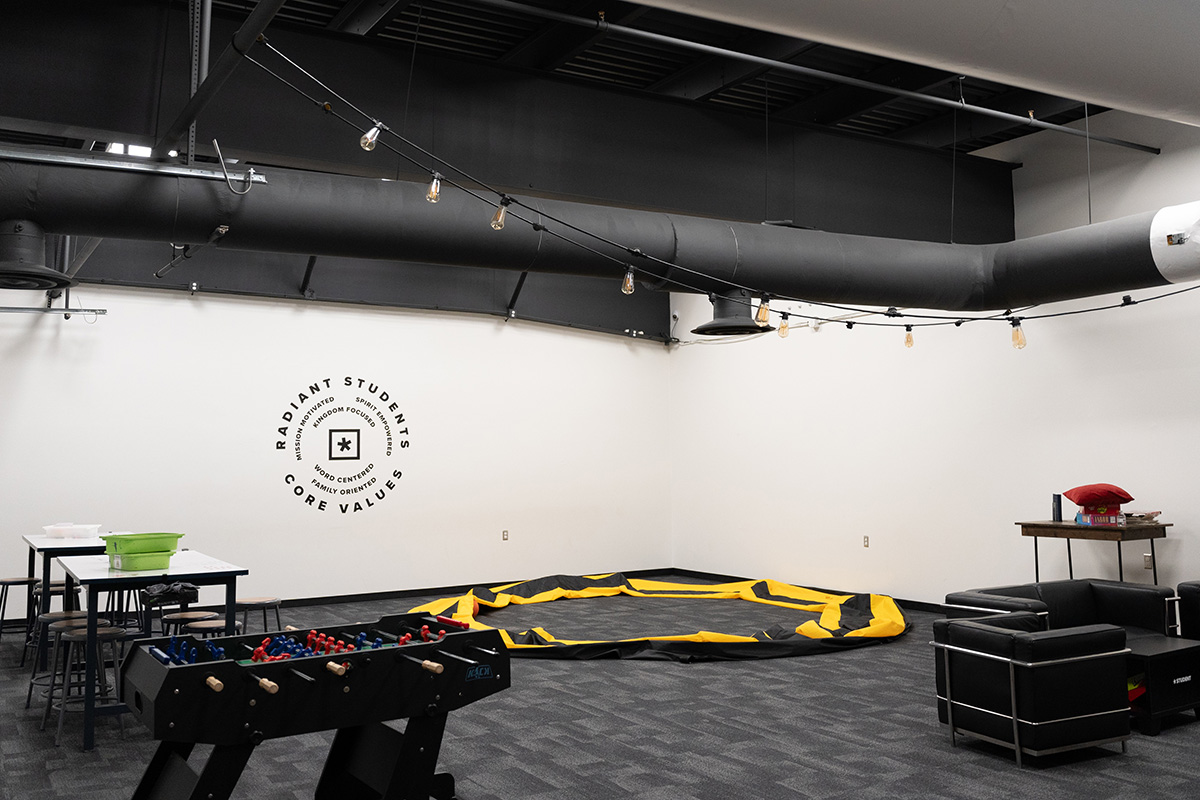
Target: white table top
{"type": "Point", "coordinates": [184, 564]}
{"type": "Point", "coordinates": [43, 543]}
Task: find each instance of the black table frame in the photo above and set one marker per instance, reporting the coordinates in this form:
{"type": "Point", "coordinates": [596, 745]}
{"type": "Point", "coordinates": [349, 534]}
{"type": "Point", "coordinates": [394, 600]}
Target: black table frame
{"type": "Point", "coordinates": [120, 581]}
{"type": "Point", "coordinates": [53, 549]}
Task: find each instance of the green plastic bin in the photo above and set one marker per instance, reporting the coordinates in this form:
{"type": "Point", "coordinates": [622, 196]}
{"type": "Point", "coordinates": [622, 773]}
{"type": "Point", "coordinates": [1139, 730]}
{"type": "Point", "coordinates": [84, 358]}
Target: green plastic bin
{"type": "Point", "coordinates": [133, 562]}
{"type": "Point", "coordinates": [129, 543]}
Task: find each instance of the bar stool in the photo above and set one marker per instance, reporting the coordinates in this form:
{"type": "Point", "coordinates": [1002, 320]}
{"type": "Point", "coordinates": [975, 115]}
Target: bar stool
{"type": "Point", "coordinates": [5, 584]}
{"type": "Point", "coordinates": [52, 622]}
{"type": "Point", "coordinates": [57, 589]}
{"type": "Point", "coordinates": [208, 628]}
{"type": "Point", "coordinates": [75, 674]}
{"type": "Point", "coordinates": [174, 622]}
{"type": "Point", "coordinates": [248, 604]}
{"type": "Point", "coordinates": [126, 606]}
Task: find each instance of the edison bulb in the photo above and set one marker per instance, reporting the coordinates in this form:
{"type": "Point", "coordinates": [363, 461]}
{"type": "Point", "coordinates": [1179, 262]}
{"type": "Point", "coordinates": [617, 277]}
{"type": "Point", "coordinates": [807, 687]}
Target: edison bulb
{"type": "Point", "coordinates": [498, 217]}
{"type": "Point", "coordinates": [1018, 337]}
{"type": "Point", "coordinates": [435, 189]}
{"type": "Point", "coordinates": [367, 142]}
{"type": "Point", "coordinates": [627, 284]}
{"type": "Point", "coordinates": [908, 337]}
{"type": "Point", "coordinates": [763, 317]}
{"type": "Point", "coordinates": [783, 326]}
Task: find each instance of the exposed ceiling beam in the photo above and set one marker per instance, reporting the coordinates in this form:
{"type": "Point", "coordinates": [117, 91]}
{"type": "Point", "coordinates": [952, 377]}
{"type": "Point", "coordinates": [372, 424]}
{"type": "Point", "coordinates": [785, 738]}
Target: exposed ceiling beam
{"type": "Point", "coordinates": [714, 74]}
{"type": "Point", "coordinates": [557, 43]}
{"type": "Point", "coordinates": [844, 102]}
{"type": "Point", "coordinates": [1129, 56]}
{"type": "Point", "coordinates": [364, 17]}
{"type": "Point", "coordinates": [807, 71]}
{"type": "Point", "coordinates": [940, 131]}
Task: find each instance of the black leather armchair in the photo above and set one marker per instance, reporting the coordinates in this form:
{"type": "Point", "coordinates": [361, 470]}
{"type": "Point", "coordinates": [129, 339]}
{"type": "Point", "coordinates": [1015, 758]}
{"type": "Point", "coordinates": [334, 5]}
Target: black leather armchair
{"type": "Point", "coordinates": [1189, 609]}
{"type": "Point", "coordinates": [1004, 680]}
{"type": "Point", "coordinates": [1140, 609]}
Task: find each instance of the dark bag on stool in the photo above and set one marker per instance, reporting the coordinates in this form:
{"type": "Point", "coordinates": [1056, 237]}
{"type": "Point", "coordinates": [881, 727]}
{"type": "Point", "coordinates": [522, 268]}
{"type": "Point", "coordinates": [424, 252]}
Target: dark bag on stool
{"type": "Point", "coordinates": [170, 594]}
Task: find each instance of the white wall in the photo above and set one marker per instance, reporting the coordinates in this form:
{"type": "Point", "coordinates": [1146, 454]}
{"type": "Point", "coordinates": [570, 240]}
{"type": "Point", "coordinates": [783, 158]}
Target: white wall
{"type": "Point", "coordinates": [767, 458]}
{"type": "Point", "coordinates": [787, 452]}
{"type": "Point", "coordinates": [162, 415]}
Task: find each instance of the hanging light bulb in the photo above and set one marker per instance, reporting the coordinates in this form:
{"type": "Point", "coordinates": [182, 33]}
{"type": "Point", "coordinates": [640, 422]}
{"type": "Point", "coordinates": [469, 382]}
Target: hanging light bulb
{"type": "Point", "coordinates": [1018, 336]}
{"type": "Point", "coordinates": [367, 142]}
{"type": "Point", "coordinates": [763, 317]}
{"type": "Point", "coordinates": [501, 213]}
{"type": "Point", "coordinates": [435, 188]}
{"type": "Point", "coordinates": [783, 325]}
{"type": "Point", "coordinates": [908, 337]}
{"type": "Point", "coordinates": [627, 284]}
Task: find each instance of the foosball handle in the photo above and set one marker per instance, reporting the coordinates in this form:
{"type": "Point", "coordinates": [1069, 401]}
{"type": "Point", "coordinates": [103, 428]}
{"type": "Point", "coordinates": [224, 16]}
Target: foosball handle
{"type": "Point", "coordinates": [335, 667]}
{"type": "Point", "coordinates": [432, 666]}
{"type": "Point", "coordinates": [290, 628]}
{"type": "Point", "coordinates": [214, 683]}
{"type": "Point", "coordinates": [266, 684]}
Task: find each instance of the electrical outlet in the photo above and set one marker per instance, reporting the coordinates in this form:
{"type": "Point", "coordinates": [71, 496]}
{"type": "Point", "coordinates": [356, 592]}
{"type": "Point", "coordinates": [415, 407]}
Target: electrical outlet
{"type": "Point", "coordinates": [866, 541]}
{"type": "Point", "coordinates": [1148, 561]}
{"type": "Point", "coordinates": [504, 536]}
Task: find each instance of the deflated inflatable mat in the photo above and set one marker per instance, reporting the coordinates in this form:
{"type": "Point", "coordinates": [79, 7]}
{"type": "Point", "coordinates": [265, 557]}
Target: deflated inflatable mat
{"type": "Point", "coordinates": [806, 621]}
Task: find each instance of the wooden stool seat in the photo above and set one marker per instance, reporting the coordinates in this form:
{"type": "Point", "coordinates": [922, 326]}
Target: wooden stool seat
{"type": "Point", "coordinates": [176, 620]}
{"type": "Point", "coordinates": [248, 604]}
{"type": "Point", "coordinates": [208, 628]}
{"type": "Point", "coordinates": [103, 634]}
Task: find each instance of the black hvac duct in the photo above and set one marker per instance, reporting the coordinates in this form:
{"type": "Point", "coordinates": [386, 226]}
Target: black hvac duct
{"type": "Point", "coordinates": [23, 258]}
{"type": "Point", "coordinates": [321, 214]}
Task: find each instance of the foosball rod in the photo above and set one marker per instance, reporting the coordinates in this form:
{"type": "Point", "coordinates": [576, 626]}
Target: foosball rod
{"type": "Point", "coordinates": [429, 666]}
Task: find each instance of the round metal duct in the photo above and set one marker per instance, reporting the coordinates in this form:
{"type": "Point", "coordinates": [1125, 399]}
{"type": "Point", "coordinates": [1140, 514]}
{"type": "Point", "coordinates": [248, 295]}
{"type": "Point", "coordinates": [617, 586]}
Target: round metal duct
{"type": "Point", "coordinates": [22, 253]}
{"type": "Point", "coordinates": [732, 316]}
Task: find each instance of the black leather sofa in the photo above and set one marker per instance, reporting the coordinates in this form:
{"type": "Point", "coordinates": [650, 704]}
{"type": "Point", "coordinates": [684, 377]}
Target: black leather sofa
{"type": "Point", "coordinates": [1140, 609]}
{"type": "Point", "coordinates": [1006, 680]}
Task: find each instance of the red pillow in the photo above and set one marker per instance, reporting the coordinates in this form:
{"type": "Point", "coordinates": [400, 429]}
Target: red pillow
{"type": "Point", "coordinates": [1097, 494]}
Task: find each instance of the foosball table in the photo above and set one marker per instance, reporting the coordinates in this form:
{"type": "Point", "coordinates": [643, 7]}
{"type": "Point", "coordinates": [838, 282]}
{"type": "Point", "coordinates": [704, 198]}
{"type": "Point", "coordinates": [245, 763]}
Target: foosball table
{"type": "Point", "coordinates": [237, 691]}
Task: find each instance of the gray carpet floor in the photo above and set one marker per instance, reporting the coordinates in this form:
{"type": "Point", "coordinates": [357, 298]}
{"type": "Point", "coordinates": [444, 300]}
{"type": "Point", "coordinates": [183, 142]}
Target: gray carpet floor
{"type": "Point", "coordinates": [854, 724]}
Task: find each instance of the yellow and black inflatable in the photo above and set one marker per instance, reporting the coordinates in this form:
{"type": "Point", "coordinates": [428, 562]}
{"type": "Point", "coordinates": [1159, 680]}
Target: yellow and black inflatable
{"type": "Point", "coordinates": [834, 621]}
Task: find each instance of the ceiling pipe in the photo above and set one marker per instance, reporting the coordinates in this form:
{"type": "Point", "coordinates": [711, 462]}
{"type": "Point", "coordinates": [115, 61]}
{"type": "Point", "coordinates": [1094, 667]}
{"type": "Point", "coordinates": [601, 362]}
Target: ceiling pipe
{"type": "Point", "coordinates": [833, 77]}
{"type": "Point", "coordinates": [316, 214]}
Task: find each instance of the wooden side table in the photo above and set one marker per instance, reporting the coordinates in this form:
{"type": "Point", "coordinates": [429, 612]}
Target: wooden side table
{"type": "Point", "coordinates": [1134, 531]}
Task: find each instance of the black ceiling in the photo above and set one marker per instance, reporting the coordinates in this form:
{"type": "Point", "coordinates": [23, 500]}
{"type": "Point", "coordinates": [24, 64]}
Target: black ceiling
{"type": "Point", "coordinates": [608, 50]}
{"type": "Point", "coordinates": [516, 35]}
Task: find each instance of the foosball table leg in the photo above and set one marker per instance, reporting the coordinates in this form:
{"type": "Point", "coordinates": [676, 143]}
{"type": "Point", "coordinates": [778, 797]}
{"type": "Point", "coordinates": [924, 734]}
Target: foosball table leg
{"type": "Point", "coordinates": [170, 777]}
{"type": "Point", "coordinates": [376, 762]}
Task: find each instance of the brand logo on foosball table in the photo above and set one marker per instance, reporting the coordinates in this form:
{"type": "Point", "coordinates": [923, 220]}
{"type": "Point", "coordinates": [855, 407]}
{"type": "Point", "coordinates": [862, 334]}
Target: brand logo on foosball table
{"type": "Point", "coordinates": [342, 438]}
{"type": "Point", "coordinates": [479, 672]}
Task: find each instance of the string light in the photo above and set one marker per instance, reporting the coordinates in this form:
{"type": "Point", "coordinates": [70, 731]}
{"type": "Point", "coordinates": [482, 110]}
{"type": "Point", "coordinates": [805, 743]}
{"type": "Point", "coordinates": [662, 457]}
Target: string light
{"type": "Point", "coordinates": [627, 284]}
{"type": "Point", "coordinates": [763, 317]}
{"type": "Point", "coordinates": [1018, 335]}
{"type": "Point", "coordinates": [783, 325]}
{"type": "Point", "coordinates": [368, 140]}
{"type": "Point", "coordinates": [908, 337]}
{"type": "Point", "coordinates": [501, 213]}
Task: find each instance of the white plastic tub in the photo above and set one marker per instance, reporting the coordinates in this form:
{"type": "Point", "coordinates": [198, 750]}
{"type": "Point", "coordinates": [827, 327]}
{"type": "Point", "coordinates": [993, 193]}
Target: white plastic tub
{"type": "Point", "coordinates": [69, 530]}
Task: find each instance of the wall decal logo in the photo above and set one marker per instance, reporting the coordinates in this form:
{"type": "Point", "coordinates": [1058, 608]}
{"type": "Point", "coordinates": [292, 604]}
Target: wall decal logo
{"type": "Point", "coordinates": [342, 438]}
